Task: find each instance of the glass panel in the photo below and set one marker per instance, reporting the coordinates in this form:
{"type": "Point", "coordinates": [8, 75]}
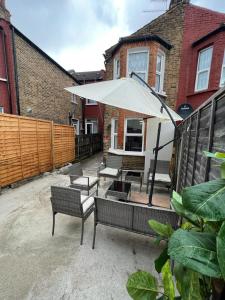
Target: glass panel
{"type": "Point", "coordinates": [1, 109]}
{"type": "Point", "coordinates": [157, 84]}
{"type": "Point", "coordinates": [115, 126]}
{"type": "Point", "coordinates": [91, 101]}
{"type": "Point", "coordinates": [115, 142]}
{"type": "Point", "coordinates": [137, 61]}
{"type": "Point", "coordinates": [202, 80]}
{"type": "Point", "coordinates": [134, 126]}
{"type": "Point", "coordinates": [159, 63]}
{"type": "Point", "coordinates": [205, 58]}
{"type": "Point", "coordinates": [133, 143]}
{"type": "Point", "coordinates": [89, 128]}
{"type": "Point", "coordinates": [223, 77]}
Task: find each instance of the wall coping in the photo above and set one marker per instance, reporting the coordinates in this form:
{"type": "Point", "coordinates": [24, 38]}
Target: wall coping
{"type": "Point", "coordinates": [125, 153]}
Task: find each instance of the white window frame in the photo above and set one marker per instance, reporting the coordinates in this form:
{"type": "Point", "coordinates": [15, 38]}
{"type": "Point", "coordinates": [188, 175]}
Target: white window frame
{"type": "Point", "coordinates": [73, 99]}
{"type": "Point", "coordinates": [91, 122]}
{"type": "Point", "coordinates": [93, 103]}
{"type": "Point", "coordinates": [113, 133]}
{"type": "Point", "coordinates": [204, 70]}
{"type": "Point", "coordinates": [134, 134]}
{"type": "Point", "coordinates": [222, 71]}
{"type": "Point", "coordinates": [1, 109]}
{"type": "Point", "coordinates": [115, 75]}
{"type": "Point", "coordinates": [77, 126]}
{"type": "Point", "coordinates": [162, 72]}
{"type": "Point", "coordinates": [139, 50]}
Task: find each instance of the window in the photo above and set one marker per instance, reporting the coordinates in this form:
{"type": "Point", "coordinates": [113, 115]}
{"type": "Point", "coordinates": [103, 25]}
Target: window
{"type": "Point", "coordinates": [91, 126]}
{"type": "Point", "coordinates": [138, 63]}
{"type": "Point", "coordinates": [90, 102]}
{"type": "Point", "coordinates": [160, 69]}
{"type": "Point", "coordinates": [74, 99]}
{"type": "Point", "coordinates": [134, 132]}
{"type": "Point", "coordinates": [75, 123]}
{"type": "Point", "coordinates": [114, 134]}
{"type": "Point", "coordinates": [222, 79]}
{"type": "Point", "coordinates": [1, 109]}
{"type": "Point", "coordinates": [116, 68]}
{"type": "Point", "coordinates": [203, 69]}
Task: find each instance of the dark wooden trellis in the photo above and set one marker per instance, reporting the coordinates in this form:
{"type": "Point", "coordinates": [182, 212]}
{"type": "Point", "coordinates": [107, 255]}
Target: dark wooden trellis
{"type": "Point", "coordinates": [87, 145]}
{"type": "Point", "coordinates": [204, 130]}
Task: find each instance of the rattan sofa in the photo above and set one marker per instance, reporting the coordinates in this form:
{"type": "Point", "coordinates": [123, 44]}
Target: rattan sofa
{"type": "Point", "coordinates": [69, 201]}
{"type": "Point", "coordinates": [131, 216]}
{"type": "Point", "coordinates": [81, 182]}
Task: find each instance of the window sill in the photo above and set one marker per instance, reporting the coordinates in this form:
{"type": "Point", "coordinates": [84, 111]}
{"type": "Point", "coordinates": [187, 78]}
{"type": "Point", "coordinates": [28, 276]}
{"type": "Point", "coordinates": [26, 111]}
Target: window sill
{"type": "Point", "coordinates": [125, 153]}
{"type": "Point", "coordinates": [202, 92]}
{"type": "Point", "coordinates": [90, 104]}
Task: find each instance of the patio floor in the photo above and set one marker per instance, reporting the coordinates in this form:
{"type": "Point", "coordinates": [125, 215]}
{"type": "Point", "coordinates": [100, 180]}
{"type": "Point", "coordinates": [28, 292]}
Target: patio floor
{"type": "Point", "coordinates": [35, 265]}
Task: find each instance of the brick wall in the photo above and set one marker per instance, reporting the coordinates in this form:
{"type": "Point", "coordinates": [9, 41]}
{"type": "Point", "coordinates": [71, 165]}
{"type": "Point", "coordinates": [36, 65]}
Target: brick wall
{"type": "Point", "coordinates": [41, 86]}
{"type": "Point", "coordinates": [199, 22]}
{"type": "Point", "coordinates": [7, 88]}
{"type": "Point", "coordinates": [168, 26]}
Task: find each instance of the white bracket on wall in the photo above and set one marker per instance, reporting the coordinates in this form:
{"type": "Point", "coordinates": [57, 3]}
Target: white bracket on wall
{"type": "Point", "coordinates": [3, 79]}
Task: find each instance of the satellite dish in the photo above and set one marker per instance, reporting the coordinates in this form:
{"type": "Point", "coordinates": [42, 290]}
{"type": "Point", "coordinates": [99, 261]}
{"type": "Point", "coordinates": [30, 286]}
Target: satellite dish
{"type": "Point", "coordinates": [184, 110]}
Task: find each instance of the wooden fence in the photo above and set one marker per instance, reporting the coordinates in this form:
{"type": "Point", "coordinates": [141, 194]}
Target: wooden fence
{"type": "Point", "coordinates": [203, 130]}
{"type": "Point", "coordinates": [29, 147]}
{"type": "Point", "coordinates": [87, 145]}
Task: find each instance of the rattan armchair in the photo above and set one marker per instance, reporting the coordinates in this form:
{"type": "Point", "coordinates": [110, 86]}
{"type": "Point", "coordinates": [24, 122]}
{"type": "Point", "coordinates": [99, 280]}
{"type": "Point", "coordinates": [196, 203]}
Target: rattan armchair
{"type": "Point", "coordinates": [81, 182]}
{"type": "Point", "coordinates": [112, 168]}
{"type": "Point", "coordinates": [162, 173]}
{"type": "Point", "coordinates": [69, 201]}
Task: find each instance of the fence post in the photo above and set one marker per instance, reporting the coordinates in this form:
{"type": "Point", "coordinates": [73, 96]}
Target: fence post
{"type": "Point", "coordinates": [210, 139]}
{"type": "Point", "coordinates": [196, 146]}
{"type": "Point", "coordinates": [53, 154]}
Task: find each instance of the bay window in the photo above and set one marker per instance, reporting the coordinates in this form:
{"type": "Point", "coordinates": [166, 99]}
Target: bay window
{"type": "Point", "coordinates": [222, 79]}
{"type": "Point", "coordinates": [134, 135]}
{"type": "Point", "coordinates": [116, 68]}
{"type": "Point", "coordinates": [160, 69]}
{"type": "Point", "coordinates": [137, 61]}
{"type": "Point", "coordinates": [114, 134]}
{"type": "Point", "coordinates": [203, 69]}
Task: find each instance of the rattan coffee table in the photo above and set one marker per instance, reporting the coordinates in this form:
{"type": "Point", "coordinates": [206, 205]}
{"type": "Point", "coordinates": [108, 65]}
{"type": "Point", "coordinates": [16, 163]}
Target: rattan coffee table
{"type": "Point", "coordinates": [120, 190]}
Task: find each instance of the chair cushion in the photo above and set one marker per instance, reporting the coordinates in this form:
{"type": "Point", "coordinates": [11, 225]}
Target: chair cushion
{"type": "Point", "coordinates": [161, 177]}
{"type": "Point", "coordinates": [88, 203]}
{"type": "Point", "coordinates": [109, 172]}
{"type": "Point", "coordinates": [84, 181]}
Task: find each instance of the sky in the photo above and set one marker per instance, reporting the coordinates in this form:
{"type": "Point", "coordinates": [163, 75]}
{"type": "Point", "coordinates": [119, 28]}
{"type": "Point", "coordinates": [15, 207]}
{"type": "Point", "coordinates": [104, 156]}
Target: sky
{"type": "Point", "coordinates": [76, 33]}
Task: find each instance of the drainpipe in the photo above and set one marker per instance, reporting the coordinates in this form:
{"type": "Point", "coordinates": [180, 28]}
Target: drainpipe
{"type": "Point", "coordinates": [6, 68]}
{"type": "Point", "coordinates": [15, 71]}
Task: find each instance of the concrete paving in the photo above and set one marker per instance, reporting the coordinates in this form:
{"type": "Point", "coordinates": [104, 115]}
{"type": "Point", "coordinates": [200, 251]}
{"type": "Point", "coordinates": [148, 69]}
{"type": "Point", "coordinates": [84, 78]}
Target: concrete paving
{"type": "Point", "coordinates": [35, 265]}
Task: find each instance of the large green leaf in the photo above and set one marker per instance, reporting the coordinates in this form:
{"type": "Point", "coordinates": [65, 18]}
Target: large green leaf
{"type": "Point", "coordinates": [161, 260]}
{"type": "Point", "coordinates": [222, 169]}
{"type": "Point", "coordinates": [164, 230]}
{"type": "Point", "coordinates": [195, 250]}
{"type": "Point", "coordinates": [218, 155]}
{"type": "Point", "coordinates": [187, 283]}
{"type": "Point", "coordinates": [177, 205]}
{"type": "Point", "coordinates": [168, 284]}
{"type": "Point", "coordinates": [142, 286]}
{"type": "Point", "coordinates": [221, 249]}
{"type": "Point", "coordinates": [206, 200]}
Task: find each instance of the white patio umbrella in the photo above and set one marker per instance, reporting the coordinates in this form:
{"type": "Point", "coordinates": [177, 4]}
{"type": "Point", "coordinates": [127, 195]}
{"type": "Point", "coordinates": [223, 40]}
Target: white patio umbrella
{"type": "Point", "coordinates": [125, 93]}
{"type": "Point", "coordinates": [129, 94]}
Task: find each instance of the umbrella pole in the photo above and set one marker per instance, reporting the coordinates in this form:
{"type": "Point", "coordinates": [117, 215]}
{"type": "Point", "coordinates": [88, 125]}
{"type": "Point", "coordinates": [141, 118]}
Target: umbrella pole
{"type": "Point", "coordinates": [155, 165]}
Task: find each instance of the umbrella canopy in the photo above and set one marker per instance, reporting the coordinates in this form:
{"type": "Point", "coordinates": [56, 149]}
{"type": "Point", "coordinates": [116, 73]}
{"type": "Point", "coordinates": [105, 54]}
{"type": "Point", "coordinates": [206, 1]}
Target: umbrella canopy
{"type": "Point", "coordinates": [125, 93]}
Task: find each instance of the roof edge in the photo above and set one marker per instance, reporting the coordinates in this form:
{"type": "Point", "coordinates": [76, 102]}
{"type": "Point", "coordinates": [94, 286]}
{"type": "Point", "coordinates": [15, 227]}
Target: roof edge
{"type": "Point", "coordinates": [221, 28]}
{"type": "Point", "coordinates": [32, 44]}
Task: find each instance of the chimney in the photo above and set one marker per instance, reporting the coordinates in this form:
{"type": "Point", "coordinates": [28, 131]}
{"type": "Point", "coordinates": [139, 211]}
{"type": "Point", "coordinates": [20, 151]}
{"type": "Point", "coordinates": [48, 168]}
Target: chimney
{"type": "Point", "coordinates": [176, 2]}
{"type": "Point", "coordinates": [4, 13]}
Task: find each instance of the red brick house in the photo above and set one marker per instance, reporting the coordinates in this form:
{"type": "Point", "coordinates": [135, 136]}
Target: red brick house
{"type": "Point", "coordinates": [93, 112]}
{"type": "Point", "coordinates": [165, 54]}
{"type": "Point", "coordinates": [202, 67]}
{"type": "Point", "coordinates": [32, 83]}
{"type": "Point", "coordinates": [7, 81]}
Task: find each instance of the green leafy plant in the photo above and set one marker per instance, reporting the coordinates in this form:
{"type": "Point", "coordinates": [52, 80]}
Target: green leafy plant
{"type": "Point", "coordinates": [196, 250]}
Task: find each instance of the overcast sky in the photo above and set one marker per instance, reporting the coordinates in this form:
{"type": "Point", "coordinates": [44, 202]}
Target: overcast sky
{"type": "Point", "coordinates": [77, 32]}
